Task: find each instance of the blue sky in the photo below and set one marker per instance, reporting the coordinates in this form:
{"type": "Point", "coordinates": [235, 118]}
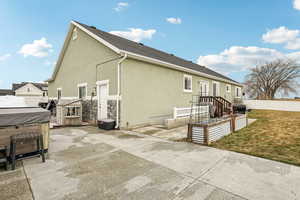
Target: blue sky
{"type": "Point", "coordinates": [229, 36]}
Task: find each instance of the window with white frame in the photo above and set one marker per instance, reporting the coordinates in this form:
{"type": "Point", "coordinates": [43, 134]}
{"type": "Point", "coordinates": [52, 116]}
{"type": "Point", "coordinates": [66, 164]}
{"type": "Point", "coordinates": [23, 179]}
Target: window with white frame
{"type": "Point", "coordinates": [238, 92]}
{"type": "Point", "coordinates": [72, 111]}
{"type": "Point", "coordinates": [204, 88]}
{"type": "Point", "coordinates": [82, 90]}
{"type": "Point", "coordinates": [58, 93]}
{"type": "Point", "coordinates": [187, 83]}
{"type": "Point", "coordinates": [216, 88]}
{"type": "Point", "coordinates": [228, 88]}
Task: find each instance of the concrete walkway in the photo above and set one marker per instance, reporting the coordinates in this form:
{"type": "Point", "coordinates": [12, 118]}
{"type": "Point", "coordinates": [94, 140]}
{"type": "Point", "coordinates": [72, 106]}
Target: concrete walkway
{"type": "Point", "coordinates": [87, 164]}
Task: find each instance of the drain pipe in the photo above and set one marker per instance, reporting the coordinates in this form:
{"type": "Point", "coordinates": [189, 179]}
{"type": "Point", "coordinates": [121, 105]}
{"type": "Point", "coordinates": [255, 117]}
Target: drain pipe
{"type": "Point", "coordinates": [119, 89]}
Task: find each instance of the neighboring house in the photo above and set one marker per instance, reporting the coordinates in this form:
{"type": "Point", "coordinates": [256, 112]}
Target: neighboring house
{"type": "Point", "coordinates": [30, 89]}
{"type": "Point", "coordinates": [129, 81]}
{"type": "Point", "coordinates": [6, 92]}
{"type": "Point", "coordinates": [33, 93]}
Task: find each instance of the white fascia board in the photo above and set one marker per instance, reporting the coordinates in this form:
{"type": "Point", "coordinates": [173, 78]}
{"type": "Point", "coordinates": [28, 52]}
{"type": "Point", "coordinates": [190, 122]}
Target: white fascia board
{"type": "Point", "coordinates": [62, 53]}
{"type": "Point", "coordinates": [112, 47]}
{"type": "Point", "coordinates": [68, 37]}
{"type": "Point", "coordinates": [130, 54]}
{"type": "Point", "coordinates": [166, 64]}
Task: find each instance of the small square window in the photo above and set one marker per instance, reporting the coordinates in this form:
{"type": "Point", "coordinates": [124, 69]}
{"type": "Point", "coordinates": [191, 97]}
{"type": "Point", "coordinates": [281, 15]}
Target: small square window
{"type": "Point", "coordinates": [58, 94]}
{"type": "Point", "coordinates": [238, 92]}
{"type": "Point", "coordinates": [81, 92]}
{"type": "Point", "coordinates": [228, 88]}
{"type": "Point", "coordinates": [187, 83]}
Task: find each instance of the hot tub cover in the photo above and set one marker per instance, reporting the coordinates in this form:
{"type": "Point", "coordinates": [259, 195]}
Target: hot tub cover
{"type": "Point", "coordinates": [19, 116]}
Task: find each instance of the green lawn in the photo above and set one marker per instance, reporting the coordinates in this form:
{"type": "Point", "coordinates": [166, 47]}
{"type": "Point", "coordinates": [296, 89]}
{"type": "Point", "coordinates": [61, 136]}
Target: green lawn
{"type": "Point", "coordinates": [275, 135]}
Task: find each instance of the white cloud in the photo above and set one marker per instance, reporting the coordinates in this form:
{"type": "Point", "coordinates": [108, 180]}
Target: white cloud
{"type": "Point", "coordinates": [238, 58]}
{"type": "Point", "coordinates": [121, 6]}
{"type": "Point", "coordinates": [135, 34]}
{"type": "Point", "coordinates": [39, 48]}
{"type": "Point", "coordinates": [297, 4]}
{"type": "Point", "coordinates": [173, 20]}
{"type": "Point", "coordinates": [293, 45]}
{"type": "Point", "coordinates": [282, 35]}
{"type": "Point", "coordinates": [4, 57]}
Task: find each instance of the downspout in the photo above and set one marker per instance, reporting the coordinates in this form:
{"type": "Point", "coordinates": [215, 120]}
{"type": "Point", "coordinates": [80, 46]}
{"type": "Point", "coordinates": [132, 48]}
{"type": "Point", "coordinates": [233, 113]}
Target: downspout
{"type": "Point", "coordinates": [97, 66]}
{"type": "Point", "coordinates": [119, 89]}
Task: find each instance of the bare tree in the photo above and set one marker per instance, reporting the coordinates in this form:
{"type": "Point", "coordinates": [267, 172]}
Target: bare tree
{"type": "Point", "coordinates": [266, 80]}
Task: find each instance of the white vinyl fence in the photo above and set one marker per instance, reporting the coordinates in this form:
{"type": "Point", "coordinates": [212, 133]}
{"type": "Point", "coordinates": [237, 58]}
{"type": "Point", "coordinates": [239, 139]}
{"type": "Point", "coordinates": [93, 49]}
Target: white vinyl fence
{"type": "Point", "coordinates": [273, 105]}
{"type": "Point", "coordinates": [185, 112]}
{"type": "Point", "coordinates": [21, 101]}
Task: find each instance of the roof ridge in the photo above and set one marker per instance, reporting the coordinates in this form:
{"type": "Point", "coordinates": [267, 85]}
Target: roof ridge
{"type": "Point", "coordinates": [144, 50]}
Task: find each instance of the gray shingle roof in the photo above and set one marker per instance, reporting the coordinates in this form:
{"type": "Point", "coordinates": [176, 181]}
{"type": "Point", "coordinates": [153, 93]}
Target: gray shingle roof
{"type": "Point", "coordinates": [4, 92]}
{"type": "Point", "coordinates": [138, 48]}
{"type": "Point", "coordinates": [41, 86]}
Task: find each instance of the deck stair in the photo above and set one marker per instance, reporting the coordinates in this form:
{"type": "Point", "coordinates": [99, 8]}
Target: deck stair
{"type": "Point", "coordinates": [222, 106]}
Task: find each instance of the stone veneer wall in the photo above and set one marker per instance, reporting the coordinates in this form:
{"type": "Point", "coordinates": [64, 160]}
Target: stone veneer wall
{"type": "Point", "coordinates": [112, 109]}
{"type": "Point", "coordinates": [89, 110]}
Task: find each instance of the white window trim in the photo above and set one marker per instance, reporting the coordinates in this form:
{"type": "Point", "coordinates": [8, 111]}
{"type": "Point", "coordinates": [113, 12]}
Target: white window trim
{"type": "Point", "coordinates": [205, 82]}
{"type": "Point", "coordinates": [240, 92]}
{"type": "Point", "coordinates": [189, 77]}
{"type": "Point", "coordinates": [58, 89]}
{"type": "Point", "coordinates": [86, 89]}
{"type": "Point", "coordinates": [103, 82]}
{"type": "Point", "coordinates": [228, 91]}
{"type": "Point", "coordinates": [218, 88]}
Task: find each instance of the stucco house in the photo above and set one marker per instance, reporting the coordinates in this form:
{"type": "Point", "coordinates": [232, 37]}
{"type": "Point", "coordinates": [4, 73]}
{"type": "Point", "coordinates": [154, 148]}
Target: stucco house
{"type": "Point", "coordinates": [129, 81]}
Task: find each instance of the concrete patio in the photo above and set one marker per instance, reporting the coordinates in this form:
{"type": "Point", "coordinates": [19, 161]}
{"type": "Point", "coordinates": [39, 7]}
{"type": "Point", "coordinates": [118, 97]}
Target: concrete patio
{"type": "Point", "coordinates": [86, 163]}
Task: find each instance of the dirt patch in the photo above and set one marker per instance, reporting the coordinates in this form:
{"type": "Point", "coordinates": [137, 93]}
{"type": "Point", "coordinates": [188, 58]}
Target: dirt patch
{"type": "Point", "coordinates": [151, 132]}
{"type": "Point", "coordinates": [181, 140]}
{"type": "Point", "coordinates": [128, 136]}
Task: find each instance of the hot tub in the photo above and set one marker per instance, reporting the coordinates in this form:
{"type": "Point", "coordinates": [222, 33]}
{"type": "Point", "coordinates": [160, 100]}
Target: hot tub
{"type": "Point", "coordinates": [24, 120]}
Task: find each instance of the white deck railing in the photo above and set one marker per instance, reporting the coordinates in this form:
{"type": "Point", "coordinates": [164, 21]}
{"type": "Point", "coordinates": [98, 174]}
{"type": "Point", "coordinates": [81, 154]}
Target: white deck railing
{"type": "Point", "coordinates": [185, 112]}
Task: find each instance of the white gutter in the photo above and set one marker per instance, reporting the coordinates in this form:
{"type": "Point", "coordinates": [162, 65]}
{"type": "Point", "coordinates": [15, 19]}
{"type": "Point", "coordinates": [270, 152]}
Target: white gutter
{"type": "Point", "coordinates": [119, 89]}
{"type": "Point", "coordinates": [177, 67]}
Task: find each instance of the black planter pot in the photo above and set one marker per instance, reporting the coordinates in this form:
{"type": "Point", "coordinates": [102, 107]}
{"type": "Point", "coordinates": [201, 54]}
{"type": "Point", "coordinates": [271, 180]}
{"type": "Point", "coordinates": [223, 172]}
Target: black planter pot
{"type": "Point", "coordinates": [106, 124]}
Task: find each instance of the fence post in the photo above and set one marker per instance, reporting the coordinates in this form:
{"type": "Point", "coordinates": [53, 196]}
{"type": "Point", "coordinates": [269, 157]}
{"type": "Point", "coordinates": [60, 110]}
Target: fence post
{"type": "Point", "coordinates": [174, 112]}
{"type": "Point", "coordinates": [189, 134]}
{"type": "Point", "coordinates": [206, 134]}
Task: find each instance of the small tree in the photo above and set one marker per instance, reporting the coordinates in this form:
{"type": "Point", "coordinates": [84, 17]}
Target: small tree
{"type": "Point", "coordinates": [266, 80]}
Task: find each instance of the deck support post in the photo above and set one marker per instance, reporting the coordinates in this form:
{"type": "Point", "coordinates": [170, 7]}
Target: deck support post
{"type": "Point", "coordinates": [189, 134]}
{"type": "Point", "coordinates": [206, 135]}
